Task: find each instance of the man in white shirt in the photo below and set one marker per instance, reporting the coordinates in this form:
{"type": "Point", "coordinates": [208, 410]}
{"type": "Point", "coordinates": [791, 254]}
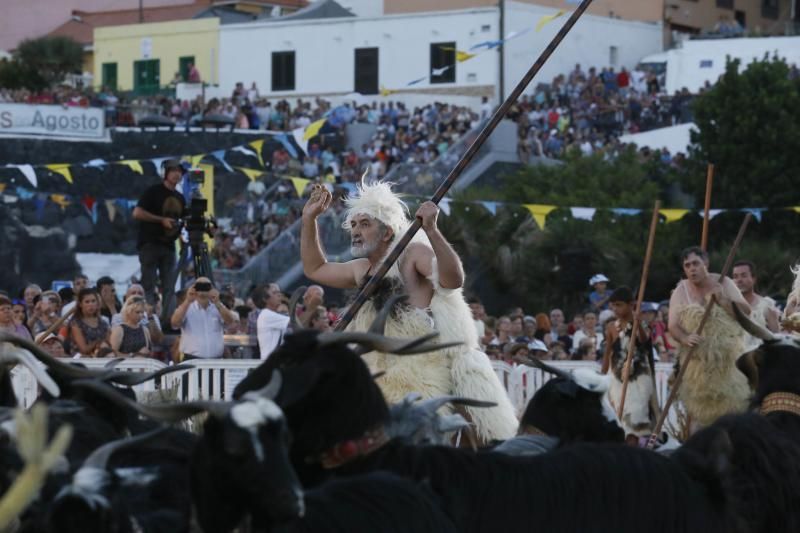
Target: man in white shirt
{"type": "Point", "coordinates": [201, 318]}
{"type": "Point", "coordinates": [271, 325]}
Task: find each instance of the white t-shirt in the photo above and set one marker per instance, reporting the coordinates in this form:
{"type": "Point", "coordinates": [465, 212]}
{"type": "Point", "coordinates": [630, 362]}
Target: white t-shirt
{"type": "Point", "coordinates": [580, 335]}
{"type": "Point", "coordinates": [270, 328]}
{"type": "Point", "coordinates": [202, 332]}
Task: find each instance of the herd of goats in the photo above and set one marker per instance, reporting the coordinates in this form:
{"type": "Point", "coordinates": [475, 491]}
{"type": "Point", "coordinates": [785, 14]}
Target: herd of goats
{"type": "Point", "coordinates": [309, 444]}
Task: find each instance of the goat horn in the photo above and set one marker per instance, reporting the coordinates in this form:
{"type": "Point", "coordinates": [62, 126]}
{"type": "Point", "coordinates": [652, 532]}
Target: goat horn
{"type": "Point", "coordinates": [541, 365]}
{"type": "Point", "coordinates": [271, 389]}
{"type": "Point", "coordinates": [113, 363]}
{"type": "Point", "coordinates": [293, 301]}
{"type": "Point", "coordinates": [99, 457]}
{"type": "Point", "coordinates": [165, 412]}
{"type": "Point", "coordinates": [20, 356]}
{"type": "Point", "coordinates": [751, 327]}
{"type": "Point", "coordinates": [130, 379]}
{"type": "Point", "coordinates": [449, 423]}
{"type": "Point", "coordinates": [379, 324]}
{"type": "Point", "coordinates": [432, 405]}
{"type": "Point", "coordinates": [378, 375]}
{"type": "Point", "coordinates": [52, 363]}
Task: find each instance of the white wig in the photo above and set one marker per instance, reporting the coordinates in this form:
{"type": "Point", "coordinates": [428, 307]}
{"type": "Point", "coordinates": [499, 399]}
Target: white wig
{"type": "Point", "coordinates": [377, 200]}
{"type": "Point", "coordinates": [796, 284]}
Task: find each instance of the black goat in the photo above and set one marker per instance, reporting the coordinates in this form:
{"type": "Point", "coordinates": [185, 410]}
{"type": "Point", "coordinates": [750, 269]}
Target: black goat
{"type": "Point", "coordinates": [333, 406]}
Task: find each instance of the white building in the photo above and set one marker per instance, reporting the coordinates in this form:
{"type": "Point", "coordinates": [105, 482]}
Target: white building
{"type": "Point", "coordinates": [300, 56]}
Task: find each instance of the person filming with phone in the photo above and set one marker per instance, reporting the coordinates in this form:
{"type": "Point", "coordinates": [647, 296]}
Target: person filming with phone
{"type": "Point", "coordinates": [202, 318]}
{"type": "Point", "coordinates": [158, 211]}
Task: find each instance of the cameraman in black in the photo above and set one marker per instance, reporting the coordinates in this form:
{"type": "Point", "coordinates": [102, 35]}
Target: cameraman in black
{"type": "Point", "coordinates": [159, 210]}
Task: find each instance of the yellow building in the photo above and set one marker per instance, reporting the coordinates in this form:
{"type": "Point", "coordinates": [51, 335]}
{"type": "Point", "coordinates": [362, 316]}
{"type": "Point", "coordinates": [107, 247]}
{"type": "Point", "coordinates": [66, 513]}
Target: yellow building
{"type": "Point", "coordinates": [145, 57]}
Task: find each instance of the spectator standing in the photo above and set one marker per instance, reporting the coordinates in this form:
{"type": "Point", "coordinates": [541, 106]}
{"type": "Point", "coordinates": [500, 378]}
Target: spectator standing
{"type": "Point", "coordinates": [194, 74]}
{"type": "Point", "coordinates": [556, 319]}
{"type": "Point", "coordinates": [599, 296]}
{"type": "Point", "coordinates": [201, 318]}
{"type": "Point", "coordinates": [109, 303]}
{"type": "Point", "coordinates": [45, 312]}
{"type": "Point", "coordinates": [588, 331]}
{"type": "Point", "coordinates": [89, 330]}
{"type": "Point", "coordinates": [313, 299]}
{"type": "Point", "coordinates": [130, 337]}
{"type": "Point", "coordinates": [149, 319]}
{"type": "Point", "coordinates": [158, 212]}
{"type": "Point", "coordinates": [79, 283]}
{"type": "Point", "coordinates": [18, 312]}
{"type": "Point", "coordinates": [7, 324]}
{"type": "Point", "coordinates": [31, 292]}
{"type": "Point", "coordinates": [271, 325]}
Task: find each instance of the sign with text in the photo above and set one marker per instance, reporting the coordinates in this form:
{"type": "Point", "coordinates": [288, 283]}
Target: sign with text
{"type": "Point", "coordinates": [52, 121]}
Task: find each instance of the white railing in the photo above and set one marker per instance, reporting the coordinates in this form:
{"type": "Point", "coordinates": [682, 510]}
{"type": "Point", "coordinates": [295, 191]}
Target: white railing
{"type": "Point", "coordinates": [215, 379]}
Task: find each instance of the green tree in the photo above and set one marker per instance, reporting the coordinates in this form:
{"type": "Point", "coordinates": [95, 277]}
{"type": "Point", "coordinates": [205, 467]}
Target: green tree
{"type": "Point", "coordinates": [749, 127]}
{"type": "Point", "coordinates": [52, 58]}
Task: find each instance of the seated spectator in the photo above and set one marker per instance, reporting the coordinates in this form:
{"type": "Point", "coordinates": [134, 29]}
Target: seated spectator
{"type": "Point", "coordinates": [109, 303]}
{"type": "Point", "coordinates": [18, 310]}
{"type": "Point", "coordinates": [52, 344]}
{"type": "Point", "coordinates": [45, 312]}
{"type": "Point", "coordinates": [588, 331]}
{"type": "Point", "coordinates": [502, 332]}
{"type": "Point", "coordinates": [149, 319]}
{"type": "Point", "coordinates": [320, 321]}
{"type": "Point", "coordinates": [88, 330]}
{"type": "Point", "coordinates": [31, 292]}
{"type": "Point", "coordinates": [586, 350]}
{"type": "Point", "coordinates": [7, 324]}
{"type": "Point", "coordinates": [313, 299]}
{"type": "Point", "coordinates": [201, 318]}
{"type": "Point", "coordinates": [130, 338]}
{"type": "Point", "coordinates": [543, 327]}
{"type": "Point", "coordinates": [558, 352]}
{"type": "Point", "coordinates": [598, 298]}
{"type": "Point", "coordinates": [79, 283]}
{"type": "Point", "coordinates": [271, 324]}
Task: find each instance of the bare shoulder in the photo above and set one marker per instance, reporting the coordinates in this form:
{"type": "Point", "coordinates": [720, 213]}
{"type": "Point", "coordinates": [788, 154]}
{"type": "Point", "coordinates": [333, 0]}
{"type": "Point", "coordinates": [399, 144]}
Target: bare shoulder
{"type": "Point", "coordinates": [359, 267]}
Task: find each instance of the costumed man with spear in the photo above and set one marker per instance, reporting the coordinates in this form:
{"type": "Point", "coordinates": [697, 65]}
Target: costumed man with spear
{"type": "Point", "coordinates": [430, 272]}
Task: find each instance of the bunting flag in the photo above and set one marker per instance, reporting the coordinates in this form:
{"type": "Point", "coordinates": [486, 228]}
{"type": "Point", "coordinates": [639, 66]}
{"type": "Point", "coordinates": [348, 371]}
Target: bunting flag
{"type": "Point", "coordinates": [673, 215]}
{"type": "Point", "coordinates": [796, 209]}
{"type": "Point", "coordinates": [207, 190]}
{"type": "Point", "coordinates": [463, 56]}
{"type": "Point", "coordinates": [300, 185]}
{"type": "Point", "coordinates": [297, 135]}
{"type": "Point", "coordinates": [220, 155]}
{"type": "Point", "coordinates": [30, 174]}
{"type": "Point", "coordinates": [111, 208]}
{"type": "Point", "coordinates": [257, 146]}
{"type": "Point", "coordinates": [539, 212]}
{"type": "Point", "coordinates": [444, 205]}
{"type": "Point", "coordinates": [627, 211]}
{"type": "Point", "coordinates": [312, 130]}
{"type": "Point", "coordinates": [491, 207]}
{"type": "Point", "coordinates": [60, 199]}
{"type": "Point", "coordinates": [134, 165]}
{"type": "Point", "coordinates": [416, 81]}
{"type": "Point", "coordinates": [250, 173]}
{"type": "Point", "coordinates": [547, 19]}
{"type": "Point", "coordinates": [63, 169]}
{"type": "Point", "coordinates": [387, 92]}
{"type": "Point", "coordinates": [756, 212]}
{"type": "Point", "coordinates": [583, 213]}
{"type": "Point", "coordinates": [440, 71]}
{"type": "Point", "coordinates": [284, 140]}
{"type": "Point", "coordinates": [2, 187]}
{"type": "Point", "coordinates": [244, 150]}
{"type": "Point", "coordinates": [157, 162]}
{"type": "Point", "coordinates": [711, 212]}
{"type": "Point", "coordinates": [96, 163]}
{"type": "Point", "coordinates": [194, 160]}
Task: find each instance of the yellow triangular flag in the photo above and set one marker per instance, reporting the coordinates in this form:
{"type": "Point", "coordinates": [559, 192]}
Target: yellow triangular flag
{"type": "Point", "coordinates": [250, 172]}
{"type": "Point", "coordinates": [63, 169]}
{"type": "Point", "coordinates": [195, 159]}
{"type": "Point", "coordinates": [463, 56]}
{"type": "Point", "coordinates": [387, 92]}
{"type": "Point", "coordinates": [796, 209]}
{"type": "Point", "coordinates": [134, 165]}
{"type": "Point", "coordinates": [539, 212]}
{"type": "Point", "coordinates": [313, 129]}
{"type": "Point", "coordinates": [2, 187]}
{"type": "Point", "coordinates": [257, 145]}
{"type": "Point", "coordinates": [673, 214]}
{"type": "Point", "coordinates": [548, 19]}
{"type": "Point", "coordinates": [60, 199]}
{"type": "Point", "coordinates": [300, 185]}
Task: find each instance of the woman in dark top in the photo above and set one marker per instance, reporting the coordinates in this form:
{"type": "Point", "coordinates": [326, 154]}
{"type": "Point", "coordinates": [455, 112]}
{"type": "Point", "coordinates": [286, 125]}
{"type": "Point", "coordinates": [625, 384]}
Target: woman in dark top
{"type": "Point", "coordinates": [88, 330]}
{"type": "Point", "coordinates": [131, 338]}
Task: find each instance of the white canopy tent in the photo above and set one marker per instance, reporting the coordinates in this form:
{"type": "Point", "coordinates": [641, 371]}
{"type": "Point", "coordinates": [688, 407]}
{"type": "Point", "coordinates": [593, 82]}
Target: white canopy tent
{"type": "Point", "coordinates": [673, 138]}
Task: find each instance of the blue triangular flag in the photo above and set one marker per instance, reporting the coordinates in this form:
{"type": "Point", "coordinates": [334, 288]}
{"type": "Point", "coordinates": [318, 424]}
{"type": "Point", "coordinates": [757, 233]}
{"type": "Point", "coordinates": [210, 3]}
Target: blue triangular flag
{"type": "Point", "coordinates": [625, 211]}
{"type": "Point", "coordinates": [756, 211]}
{"type": "Point", "coordinates": [220, 155]}
{"type": "Point", "coordinates": [444, 205]}
{"type": "Point", "coordinates": [583, 213]}
{"type": "Point", "coordinates": [284, 140]}
{"type": "Point", "coordinates": [418, 80]}
{"type": "Point", "coordinates": [491, 207]}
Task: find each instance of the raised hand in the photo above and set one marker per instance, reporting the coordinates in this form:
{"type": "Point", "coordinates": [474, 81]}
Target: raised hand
{"type": "Point", "coordinates": [320, 201]}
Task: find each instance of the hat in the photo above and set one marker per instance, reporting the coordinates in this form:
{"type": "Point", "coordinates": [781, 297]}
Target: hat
{"type": "Point", "coordinates": [537, 345]}
{"type": "Point", "coordinates": [598, 278]}
{"type": "Point", "coordinates": [50, 336]}
{"type": "Point", "coordinates": [649, 307]}
{"type": "Point", "coordinates": [171, 163]}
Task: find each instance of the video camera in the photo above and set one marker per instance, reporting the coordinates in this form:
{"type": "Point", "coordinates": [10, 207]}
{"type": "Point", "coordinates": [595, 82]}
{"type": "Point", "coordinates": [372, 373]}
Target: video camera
{"type": "Point", "coordinates": [197, 224]}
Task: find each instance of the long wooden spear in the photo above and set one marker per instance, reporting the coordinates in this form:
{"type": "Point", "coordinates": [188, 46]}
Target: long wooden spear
{"type": "Point", "coordinates": [626, 373]}
{"type": "Point", "coordinates": [690, 354]}
{"type": "Point", "coordinates": [707, 207]}
{"type": "Point", "coordinates": [487, 130]}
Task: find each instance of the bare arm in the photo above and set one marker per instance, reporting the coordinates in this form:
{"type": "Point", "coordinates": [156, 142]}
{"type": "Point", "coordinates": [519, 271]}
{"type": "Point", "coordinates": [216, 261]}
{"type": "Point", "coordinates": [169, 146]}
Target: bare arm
{"type": "Point", "coordinates": [610, 333]}
{"type": "Point", "coordinates": [315, 265]}
{"type": "Point", "coordinates": [116, 338]}
{"type": "Point", "coordinates": [180, 312]}
{"type": "Point", "coordinates": [228, 316]}
{"type": "Point", "coordinates": [79, 340]}
{"type": "Point", "coordinates": [773, 319]}
{"type": "Point", "coordinates": [450, 270]}
{"type": "Point", "coordinates": [676, 331]}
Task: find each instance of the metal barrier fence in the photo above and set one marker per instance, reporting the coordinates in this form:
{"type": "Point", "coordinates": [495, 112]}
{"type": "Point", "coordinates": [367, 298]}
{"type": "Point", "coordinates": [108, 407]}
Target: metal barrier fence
{"type": "Point", "coordinates": [215, 379]}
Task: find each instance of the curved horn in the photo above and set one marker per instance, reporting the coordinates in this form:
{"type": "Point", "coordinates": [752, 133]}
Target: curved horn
{"type": "Point", "coordinates": [541, 365]}
{"type": "Point", "coordinates": [378, 325]}
{"type": "Point", "coordinates": [751, 327]}
{"type": "Point", "coordinates": [271, 389]}
{"type": "Point", "coordinates": [99, 457]}
{"type": "Point", "coordinates": [378, 375]}
{"type": "Point", "coordinates": [53, 364]}
{"type": "Point", "coordinates": [113, 363]}
{"type": "Point", "coordinates": [434, 404]}
{"type": "Point", "coordinates": [24, 358]}
{"type": "Point", "coordinates": [129, 379]}
{"type": "Point", "coordinates": [165, 412]}
{"type": "Point", "coordinates": [293, 301]}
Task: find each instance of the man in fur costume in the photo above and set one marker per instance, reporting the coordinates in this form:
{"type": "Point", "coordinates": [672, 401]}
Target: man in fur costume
{"type": "Point", "coordinates": [764, 312]}
{"type": "Point", "coordinates": [712, 385]}
{"type": "Point", "coordinates": [430, 273]}
{"type": "Point", "coordinates": [641, 404]}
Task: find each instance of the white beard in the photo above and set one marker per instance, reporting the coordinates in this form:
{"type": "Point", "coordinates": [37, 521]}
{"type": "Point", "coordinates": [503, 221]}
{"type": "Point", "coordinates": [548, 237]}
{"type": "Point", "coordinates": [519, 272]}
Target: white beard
{"type": "Point", "coordinates": [363, 250]}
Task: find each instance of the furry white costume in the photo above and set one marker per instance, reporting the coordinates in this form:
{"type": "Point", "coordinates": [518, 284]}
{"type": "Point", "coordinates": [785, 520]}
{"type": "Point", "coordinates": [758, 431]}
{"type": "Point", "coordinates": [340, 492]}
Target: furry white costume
{"type": "Point", "coordinates": [758, 314]}
{"type": "Point", "coordinates": [463, 370]}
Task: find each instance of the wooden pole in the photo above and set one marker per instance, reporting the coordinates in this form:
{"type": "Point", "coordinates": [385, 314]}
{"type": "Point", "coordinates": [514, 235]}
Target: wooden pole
{"type": "Point", "coordinates": [707, 207]}
{"type": "Point", "coordinates": [626, 373]}
{"type": "Point", "coordinates": [690, 354]}
{"type": "Point", "coordinates": [487, 130]}
{"type": "Point", "coordinates": [57, 324]}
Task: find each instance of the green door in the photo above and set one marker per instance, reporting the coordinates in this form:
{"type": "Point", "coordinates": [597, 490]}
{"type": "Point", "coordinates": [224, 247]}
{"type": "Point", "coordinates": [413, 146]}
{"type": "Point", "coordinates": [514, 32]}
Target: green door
{"type": "Point", "coordinates": [183, 65]}
{"type": "Point", "coordinates": [110, 76]}
{"type": "Point", "coordinates": [146, 76]}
